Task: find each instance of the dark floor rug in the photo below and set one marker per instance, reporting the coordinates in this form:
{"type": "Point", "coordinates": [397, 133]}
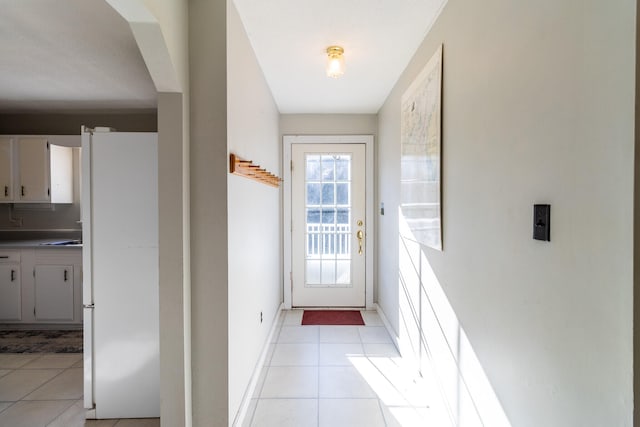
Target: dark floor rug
{"type": "Point", "coordinates": [29, 341]}
{"type": "Point", "coordinates": [332, 317]}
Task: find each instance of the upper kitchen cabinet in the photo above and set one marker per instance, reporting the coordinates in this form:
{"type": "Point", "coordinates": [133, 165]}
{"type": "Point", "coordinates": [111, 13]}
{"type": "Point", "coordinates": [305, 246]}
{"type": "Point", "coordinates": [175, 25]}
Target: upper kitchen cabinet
{"type": "Point", "coordinates": [33, 170]}
{"type": "Point", "coordinates": [41, 172]}
{"type": "Point", "coordinates": [6, 169]}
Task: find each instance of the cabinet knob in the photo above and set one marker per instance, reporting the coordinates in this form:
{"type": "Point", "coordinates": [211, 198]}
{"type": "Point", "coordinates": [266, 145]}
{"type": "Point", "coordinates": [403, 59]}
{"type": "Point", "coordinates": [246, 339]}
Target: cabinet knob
{"type": "Point", "coordinates": [65, 276]}
{"type": "Point", "coordinates": [22, 190]}
{"type": "Point", "coordinates": [13, 275]}
{"type": "Point", "coordinates": [6, 191]}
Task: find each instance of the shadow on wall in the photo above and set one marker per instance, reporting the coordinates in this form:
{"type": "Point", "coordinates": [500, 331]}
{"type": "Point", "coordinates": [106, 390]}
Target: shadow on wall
{"type": "Point", "coordinates": [431, 334]}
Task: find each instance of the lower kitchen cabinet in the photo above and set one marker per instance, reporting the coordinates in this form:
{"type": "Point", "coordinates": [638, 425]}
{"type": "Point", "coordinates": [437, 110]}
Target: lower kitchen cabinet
{"type": "Point", "coordinates": [41, 285]}
{"type": "Point", "coordinates": [10, 292]}
{"type": "Point", "coordinates": [54, 299]}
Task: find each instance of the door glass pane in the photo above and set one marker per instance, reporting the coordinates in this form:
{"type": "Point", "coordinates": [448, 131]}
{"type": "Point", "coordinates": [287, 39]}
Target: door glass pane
{"type": "Point", "coordinates": [343, 216]}
{"type": "Point", "coordinates": [343, 168]}
{"type": "Point", "coordinates": [328, 217]}
{"type": "Point", "coordinates": [313, 194]}
{"type": "Point", "coordinates": [313, 216]}
{"type": "Point", "coordinates": [328, 272]}
{"type": "Point", "coordinates": [328, 164]}
{"type": "Point", "coordinates": [313, 167]}
{"type": "Point", "coordinates": [328, 227]}
{"type": "Point", "coordinates": [342, 193]}
{"type": "Point", "coordinates": [327, 194]}
{"type": "Point", "coordinates": [343, 272]}
{"type": "Point", "coordinates": [312, 271]}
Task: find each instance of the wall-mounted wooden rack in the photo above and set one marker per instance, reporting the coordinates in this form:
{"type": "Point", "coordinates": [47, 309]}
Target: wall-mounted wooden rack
{"type": "Point", "coordinates": [247, 169]}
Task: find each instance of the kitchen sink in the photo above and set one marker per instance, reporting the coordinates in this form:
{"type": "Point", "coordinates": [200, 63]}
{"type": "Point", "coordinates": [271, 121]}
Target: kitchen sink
{"type": "Point", "coordinates": [63, 242]}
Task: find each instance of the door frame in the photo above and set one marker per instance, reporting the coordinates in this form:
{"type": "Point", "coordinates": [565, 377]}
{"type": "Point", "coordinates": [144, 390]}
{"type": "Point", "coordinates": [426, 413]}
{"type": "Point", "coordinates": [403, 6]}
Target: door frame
{"type": "Point", "coordinates": [287, 142]}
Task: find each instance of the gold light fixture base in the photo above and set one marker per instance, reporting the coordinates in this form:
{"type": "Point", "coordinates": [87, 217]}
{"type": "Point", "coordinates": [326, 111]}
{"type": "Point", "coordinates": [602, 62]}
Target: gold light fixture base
{"type": "Point", "coordinates": [335, 51]}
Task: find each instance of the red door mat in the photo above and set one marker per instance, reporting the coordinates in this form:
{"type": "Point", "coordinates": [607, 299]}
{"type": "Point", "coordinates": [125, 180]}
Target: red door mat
{"type": "Point", "coordinates": [332, 317]}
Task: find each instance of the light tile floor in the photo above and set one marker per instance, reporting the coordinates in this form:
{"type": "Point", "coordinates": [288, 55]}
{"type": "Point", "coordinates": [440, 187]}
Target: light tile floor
{"type": "Point", "coordinates": [314, 376]}
{"type": "Point", "coordinates": [338, 376]}
{"type": "Point", "coordinates": [45, 390]}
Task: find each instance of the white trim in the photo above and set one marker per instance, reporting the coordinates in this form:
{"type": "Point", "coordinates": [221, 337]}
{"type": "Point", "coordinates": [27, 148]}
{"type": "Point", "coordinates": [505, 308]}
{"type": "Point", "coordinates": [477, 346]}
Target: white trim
{"type": "Point", "coordinates": [260, 366]}
{"type": "Point", "coordinates": [287, 142]}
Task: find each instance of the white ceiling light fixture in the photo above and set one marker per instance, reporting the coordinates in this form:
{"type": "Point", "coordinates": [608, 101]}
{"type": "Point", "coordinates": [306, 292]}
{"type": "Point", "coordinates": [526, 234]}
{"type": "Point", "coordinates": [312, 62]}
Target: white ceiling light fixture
{"type": "Point", "coordinates": [335, 61]}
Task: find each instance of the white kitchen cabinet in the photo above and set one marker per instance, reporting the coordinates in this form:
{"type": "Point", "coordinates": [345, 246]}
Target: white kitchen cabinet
{"type": "Point", "coordinates": [10, 287]}
{"type": "Point", "coordinates": [45, 171]}
{"type": "Point", "coordinates": [54, 299]}
{"type": "Point", "coordinates": [6, 169]}
{"type": "Point", "coordinates": [41, 285]}
{"type": "Point", "coordinates": [10, 301]}
{"type": "Point", "coordinates": [33, 170]}
{"type": "Point", "coordinates": [37, 172]}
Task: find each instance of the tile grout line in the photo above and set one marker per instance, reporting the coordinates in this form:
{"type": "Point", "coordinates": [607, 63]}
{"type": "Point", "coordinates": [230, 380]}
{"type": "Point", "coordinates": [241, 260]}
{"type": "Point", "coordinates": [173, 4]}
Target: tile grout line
{"type": "Point", "coordinates": [22, 368]}
{"type": "Point", "coordinates": [23, 364]}
{"type": "Point", "coordinates": [361, 331]}
{"type": "Point", "coordinates": [384, 418]}
{"type": "Point", "coordinates": [11, 404]}
{"type": "Point", "coordinates": [43, 384]}
{"type": "Point", "coordinates": [67, 404]}
{"type": "Point", "coordinates": [49, 400]}
{"type": "Point", "coordinates": [60, 414]}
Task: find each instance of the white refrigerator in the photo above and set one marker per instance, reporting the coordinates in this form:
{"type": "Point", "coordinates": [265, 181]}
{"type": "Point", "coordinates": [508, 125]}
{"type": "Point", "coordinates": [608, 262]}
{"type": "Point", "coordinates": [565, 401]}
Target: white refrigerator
{"type": "Point", "coordinates": [119, 203]}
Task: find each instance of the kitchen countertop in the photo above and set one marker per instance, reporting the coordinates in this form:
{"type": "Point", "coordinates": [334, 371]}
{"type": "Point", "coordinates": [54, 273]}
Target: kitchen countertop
{"type": "Point", "coordinates": [36, 243]}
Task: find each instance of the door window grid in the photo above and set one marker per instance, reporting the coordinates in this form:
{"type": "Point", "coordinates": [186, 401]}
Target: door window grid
{"type": "Point", "coordinates": [328, 220]}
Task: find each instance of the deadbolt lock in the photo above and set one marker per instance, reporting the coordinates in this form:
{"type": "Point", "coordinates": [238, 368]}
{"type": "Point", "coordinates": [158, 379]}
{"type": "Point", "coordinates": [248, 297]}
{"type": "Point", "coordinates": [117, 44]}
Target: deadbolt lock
{"type": "Point", "coordinates": [359, 223]}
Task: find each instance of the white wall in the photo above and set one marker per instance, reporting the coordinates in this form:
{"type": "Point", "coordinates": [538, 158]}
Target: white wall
{"type": "Point", "coordinates": [208, 186]}
{"type": "Point", "coordinates": [328, 124]}
{"type": "Point", "coordinates": [538, 107]}
{"type": "Point", "coordinates": [255, 252]}
{"type": "Point", "coordinates": [175, 378]}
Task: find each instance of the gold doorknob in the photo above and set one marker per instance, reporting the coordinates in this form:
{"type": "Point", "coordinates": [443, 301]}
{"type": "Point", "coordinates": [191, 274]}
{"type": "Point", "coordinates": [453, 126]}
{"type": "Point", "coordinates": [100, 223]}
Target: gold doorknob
{"type": "Point", "coordinates": [360, 236]}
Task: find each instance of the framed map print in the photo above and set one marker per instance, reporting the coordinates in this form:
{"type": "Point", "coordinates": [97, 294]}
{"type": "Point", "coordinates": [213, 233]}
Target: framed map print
{"type": "Point", "coordinates": [421, 155]}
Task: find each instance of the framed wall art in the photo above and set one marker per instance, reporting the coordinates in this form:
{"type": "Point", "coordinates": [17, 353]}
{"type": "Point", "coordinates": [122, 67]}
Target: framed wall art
{"type": "Point", "coordinates": [421, 155]}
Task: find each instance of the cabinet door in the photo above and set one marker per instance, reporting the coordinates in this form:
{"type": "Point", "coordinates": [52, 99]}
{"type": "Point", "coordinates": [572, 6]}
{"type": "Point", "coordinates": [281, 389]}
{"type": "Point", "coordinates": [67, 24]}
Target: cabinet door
{"type": "Point", "coordinates": [6, 169]}
{"type": "Point", "coordinates": [61, 174]}
{"type": "Point", "coordinates": [33, 168]}
{"type": "Point", "coordinates": [10, 301]}
{"type": "Point", "coordinates": [54, 292]}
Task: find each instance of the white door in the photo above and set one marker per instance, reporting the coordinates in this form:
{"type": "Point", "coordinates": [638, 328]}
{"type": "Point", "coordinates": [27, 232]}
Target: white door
{"type": "Point", "coordinates": [328, 225]}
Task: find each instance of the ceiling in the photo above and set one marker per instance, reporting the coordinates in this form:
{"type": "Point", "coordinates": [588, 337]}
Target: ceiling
{"type": "Point", "coordinates": [379, 37]}
{"type": "Point", "coordinates": [69, 55]}
{"type": "Point", "coordinates": [81, 55]}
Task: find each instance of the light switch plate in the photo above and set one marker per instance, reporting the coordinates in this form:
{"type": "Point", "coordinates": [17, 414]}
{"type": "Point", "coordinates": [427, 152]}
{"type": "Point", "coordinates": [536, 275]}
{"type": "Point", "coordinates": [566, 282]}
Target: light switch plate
{"type": "Point", "coordinates": [542, 222]}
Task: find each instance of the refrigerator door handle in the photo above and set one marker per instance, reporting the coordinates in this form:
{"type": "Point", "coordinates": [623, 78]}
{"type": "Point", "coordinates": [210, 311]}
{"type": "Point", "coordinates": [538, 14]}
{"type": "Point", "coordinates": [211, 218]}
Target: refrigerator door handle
{"type": "Point", "coordinates": [88, 356]}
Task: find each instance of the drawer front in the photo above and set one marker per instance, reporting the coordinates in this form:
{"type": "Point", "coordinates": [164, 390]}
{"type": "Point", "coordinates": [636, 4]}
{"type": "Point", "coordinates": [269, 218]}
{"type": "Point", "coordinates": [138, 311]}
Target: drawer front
{"type": "Point", "coordinates": [9, 257]}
